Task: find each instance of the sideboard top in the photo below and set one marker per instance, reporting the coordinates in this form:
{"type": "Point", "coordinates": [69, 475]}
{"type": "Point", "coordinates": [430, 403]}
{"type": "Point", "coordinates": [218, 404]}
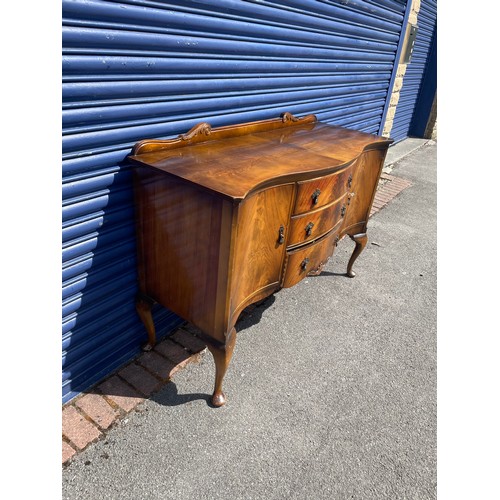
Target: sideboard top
{"type": "Point", "coordinates": [238, 159]}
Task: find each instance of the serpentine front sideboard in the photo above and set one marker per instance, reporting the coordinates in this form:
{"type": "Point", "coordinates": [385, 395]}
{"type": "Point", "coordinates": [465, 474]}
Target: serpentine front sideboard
{"type": "Point", "coordinates": [227, 216]}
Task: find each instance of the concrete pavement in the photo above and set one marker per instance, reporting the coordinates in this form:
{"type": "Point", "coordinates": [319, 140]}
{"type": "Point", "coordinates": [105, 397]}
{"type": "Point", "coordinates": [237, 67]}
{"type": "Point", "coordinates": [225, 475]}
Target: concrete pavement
{"type": "Point", "coordinates": [331, 390]}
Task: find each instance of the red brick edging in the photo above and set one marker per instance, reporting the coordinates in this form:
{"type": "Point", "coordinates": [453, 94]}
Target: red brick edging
{"type": "Point", "coordinates": [389, 187]}
{"type": "Point", "coordinates": [86, 418]}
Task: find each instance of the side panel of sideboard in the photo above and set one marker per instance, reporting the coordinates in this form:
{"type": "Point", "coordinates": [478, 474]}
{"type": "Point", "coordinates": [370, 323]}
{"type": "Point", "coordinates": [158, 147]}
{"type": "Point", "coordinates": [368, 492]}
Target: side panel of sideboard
{"type": "Point", "coordinates": [184, 248]}
{"type": "Point", "coordinates": [366, 173]}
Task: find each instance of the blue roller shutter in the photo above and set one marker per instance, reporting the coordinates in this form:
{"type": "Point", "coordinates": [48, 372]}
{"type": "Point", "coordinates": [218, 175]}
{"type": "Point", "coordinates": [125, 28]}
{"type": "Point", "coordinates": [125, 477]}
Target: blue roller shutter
{"type": "Point", "coordinates": [420, 65]}
{"type": "Point", "coordinates": [151, 69]}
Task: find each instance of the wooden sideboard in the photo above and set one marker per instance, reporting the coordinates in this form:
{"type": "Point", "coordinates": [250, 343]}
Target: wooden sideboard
{"type": "Point", "coordinates": [227, 216]}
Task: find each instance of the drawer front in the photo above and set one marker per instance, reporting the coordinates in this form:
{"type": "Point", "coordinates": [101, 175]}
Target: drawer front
{"type": "Point", "coordinates": [322, 190]}
{"type": "Point", "coordinates": [308, 260]}
{"type": "Point", "coordinates": [314, 224]}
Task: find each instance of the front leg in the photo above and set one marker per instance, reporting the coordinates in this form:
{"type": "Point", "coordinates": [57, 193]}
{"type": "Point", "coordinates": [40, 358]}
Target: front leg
{"type": "Point", "coordinates": [222, 357]}
{"type": "Point", "coordinates": [360, 240]}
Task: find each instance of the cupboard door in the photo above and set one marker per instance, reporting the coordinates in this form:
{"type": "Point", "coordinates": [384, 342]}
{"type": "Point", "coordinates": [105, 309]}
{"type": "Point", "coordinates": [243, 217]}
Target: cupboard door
{"type": "Point", "coordinates": [263, 223]}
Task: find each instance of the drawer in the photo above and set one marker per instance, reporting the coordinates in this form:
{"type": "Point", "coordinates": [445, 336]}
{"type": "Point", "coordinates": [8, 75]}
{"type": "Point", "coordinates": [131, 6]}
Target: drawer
{"type": "Point", "coordinates": [322, 191]}
{"type": "Point", "coordinates": [309, 259]}
{"type": "Point", "coordinates": [312, 225]}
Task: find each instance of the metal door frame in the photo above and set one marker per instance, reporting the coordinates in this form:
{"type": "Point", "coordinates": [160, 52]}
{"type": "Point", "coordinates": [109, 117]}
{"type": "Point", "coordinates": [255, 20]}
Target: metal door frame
{"type": "Point", "coordinates": [396, 65]}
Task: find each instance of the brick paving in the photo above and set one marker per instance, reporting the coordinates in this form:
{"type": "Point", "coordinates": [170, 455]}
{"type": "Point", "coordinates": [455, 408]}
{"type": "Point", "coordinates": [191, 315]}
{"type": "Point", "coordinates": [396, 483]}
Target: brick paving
{"type": "Point", "coordinates": [117, 391]}
{"type": "Point", "coordinates": [77, 428]}
{"type": "Point", "coordinates": [86, 418]}
{"type": "Point", "coordinates": [98, 409]}
{"type": "Point", "coordinates": [389, 187]}
{"type": "Point", "coordinates": [67, 451]}
{"type": "Point", "coordinates": [140, 379]}
{"type": "Point", "coordinates": [157, 365]}
{"type": "Point", "coordinates": [173, 351]}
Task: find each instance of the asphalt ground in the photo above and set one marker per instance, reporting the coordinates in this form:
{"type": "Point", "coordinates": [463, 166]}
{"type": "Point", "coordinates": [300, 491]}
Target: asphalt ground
{"type": "Point", "coordinates": [331, 389]}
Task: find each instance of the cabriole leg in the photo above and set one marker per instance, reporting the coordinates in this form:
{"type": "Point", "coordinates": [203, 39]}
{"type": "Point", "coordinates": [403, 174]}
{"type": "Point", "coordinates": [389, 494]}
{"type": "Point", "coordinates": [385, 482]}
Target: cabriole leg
{"type": "Point", "coordinates": [143, 306]}
{"type": "Point", "coordinates": [222, 357]}
{"type": "Point", "coordinates": [360, 240]}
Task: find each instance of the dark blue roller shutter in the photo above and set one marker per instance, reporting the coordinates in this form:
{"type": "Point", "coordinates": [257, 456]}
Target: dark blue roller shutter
{"type": "Point", "coordinates": [151, 69]}
{"type": "Point", "coordinates": [420, 64]}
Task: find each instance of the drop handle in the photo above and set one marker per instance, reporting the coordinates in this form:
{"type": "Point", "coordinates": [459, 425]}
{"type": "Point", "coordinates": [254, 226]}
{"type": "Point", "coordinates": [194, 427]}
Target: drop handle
{"type": "Point", "coordinates": [309, 228]}
{"type": "Point", "coordinates": [281, 235]}
{"type": "Point", "coordinates": [343, 210]}
{"type": "Point", "coordinates": [315, 196]}
{"type": "Point", "coordinates": [304, 263]}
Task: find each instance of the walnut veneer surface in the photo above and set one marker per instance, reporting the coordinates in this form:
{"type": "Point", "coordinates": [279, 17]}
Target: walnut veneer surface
{"type": "Point", "coordinates": [228, 216]}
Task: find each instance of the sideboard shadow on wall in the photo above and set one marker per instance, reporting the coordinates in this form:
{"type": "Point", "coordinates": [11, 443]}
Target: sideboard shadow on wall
{"type": "Point", "coordinates": [227, 216]}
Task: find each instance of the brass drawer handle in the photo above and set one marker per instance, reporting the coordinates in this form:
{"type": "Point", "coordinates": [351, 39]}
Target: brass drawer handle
{"type": "Point", "coordinates": [315, 196]}
{"type": "Point", "coordinates": [281, 235]}
{"type": "Point", "coordinates": [342, 210]}
{"type": "Point", "coordinates": [349, 181]}
{"type": "Point", "coordinates": [337, 240]}
{"type": "Point", "coordinates": [309, 228]}
{"type": "Point", "coordinates": [304, 263]}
